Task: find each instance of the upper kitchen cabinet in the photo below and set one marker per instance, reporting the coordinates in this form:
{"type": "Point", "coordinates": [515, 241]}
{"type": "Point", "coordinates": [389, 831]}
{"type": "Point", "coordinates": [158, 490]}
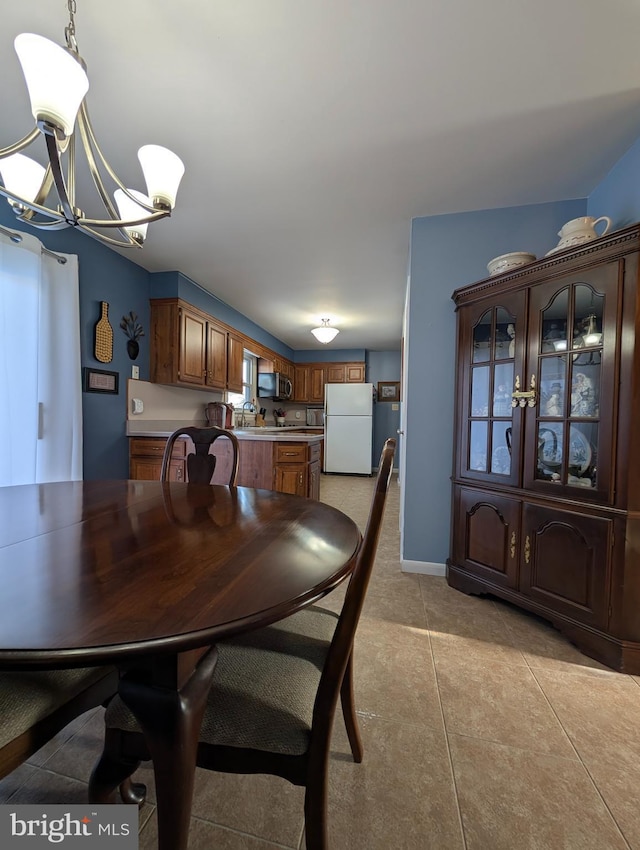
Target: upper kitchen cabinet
{"type": "Point", "coordinates": [310, 378]}
{"type": "Point", "coordinates": [235, 353]}
{"type": "Point", "coordinates": [191, 349]}
{"type": "Point", "coordinates": [546, 483]}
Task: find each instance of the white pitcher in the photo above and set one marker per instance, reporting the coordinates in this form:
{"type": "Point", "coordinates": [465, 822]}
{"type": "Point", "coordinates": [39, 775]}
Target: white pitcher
{"type": "Point", "coordinates": [580, 230]}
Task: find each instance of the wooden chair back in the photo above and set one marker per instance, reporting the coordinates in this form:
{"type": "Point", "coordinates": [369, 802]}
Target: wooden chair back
{"type": "Point", "coordinates": [201, 464]}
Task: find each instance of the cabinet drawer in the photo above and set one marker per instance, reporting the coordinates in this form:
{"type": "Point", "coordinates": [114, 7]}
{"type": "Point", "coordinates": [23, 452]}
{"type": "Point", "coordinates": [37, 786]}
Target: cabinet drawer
{"type": "Point", "coordinates": [154, 447]}
{"type": "Point", "coordinates": [314, 452]}
{"type": "Point", "coordinates": [291, 453]}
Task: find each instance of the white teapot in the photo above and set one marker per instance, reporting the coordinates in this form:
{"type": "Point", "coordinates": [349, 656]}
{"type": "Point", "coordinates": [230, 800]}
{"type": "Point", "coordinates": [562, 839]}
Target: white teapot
{"type": "Point", "coordinates": [580, 230]}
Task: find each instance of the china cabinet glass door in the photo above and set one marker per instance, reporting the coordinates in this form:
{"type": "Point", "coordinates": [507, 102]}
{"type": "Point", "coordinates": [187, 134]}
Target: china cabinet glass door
{"type": "Point", "coordinates": [494, 344]}
{"type": "Point", "coordinates": [570, 369]}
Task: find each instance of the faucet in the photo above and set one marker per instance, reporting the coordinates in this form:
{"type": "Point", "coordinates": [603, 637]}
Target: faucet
{"type": "Point", "coordinates": [252, 409]}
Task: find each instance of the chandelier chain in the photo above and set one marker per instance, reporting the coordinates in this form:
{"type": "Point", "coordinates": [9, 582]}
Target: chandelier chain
{"type": "Point", "coordinates": [70, 29]}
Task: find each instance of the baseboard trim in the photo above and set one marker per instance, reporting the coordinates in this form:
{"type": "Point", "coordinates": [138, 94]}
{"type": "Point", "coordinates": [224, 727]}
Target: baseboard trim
{"type": "Point", "coordinates": [424, 568]}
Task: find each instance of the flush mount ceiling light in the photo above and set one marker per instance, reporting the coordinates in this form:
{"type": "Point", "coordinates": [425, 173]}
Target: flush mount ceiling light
{"type": "Point", "coordinates": [57, 82]}
{"type": "Point", "coordinates": [325, 334]}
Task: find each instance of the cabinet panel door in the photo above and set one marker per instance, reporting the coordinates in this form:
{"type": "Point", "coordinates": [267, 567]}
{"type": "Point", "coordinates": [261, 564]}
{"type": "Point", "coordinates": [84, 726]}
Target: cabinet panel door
{"type": "Point", "coordinates": [301, 383]}
{"type": "Point", "coordinates": [355, 373]}
{"type": "Point", "coordinates": [216, 356]}
{"type": "Point", "coordinates": [566, 562]}
{"type": "Point", "coordinates": [148, 469]}
{"type": "Point", "coordinates": [486, 535]}
{"type": "Point", "coordinates": [193, 340]}
{"type": "Point", "coordinates": [291, 478]}
{"type": "Point", "coordinates": [235, 353]}
{"type": "Point", "coordinates": [316, 384]}
{"type": "Point", "coordinates": [314, 480]}
{"type": "Point", "coordinates": [335, 374]}
{"type": "Point", "coordinates": [490, 366]}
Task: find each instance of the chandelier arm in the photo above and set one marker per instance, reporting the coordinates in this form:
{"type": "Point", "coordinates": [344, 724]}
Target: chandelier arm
{"type": "Point", "coordinates": [119, 222]}
{"type": "Point", "coordinates": [33, 206]}
{"type": "Point", "coordinates": [87, 132]}
{"type": "Point", "coordinates": [88, 142]}
{"type": "Point", "coordinates": [101, 237]}
{"type": "Point", "coordinates": [58, 177]}
{"type": "Point", "coordinates": [21, 145]}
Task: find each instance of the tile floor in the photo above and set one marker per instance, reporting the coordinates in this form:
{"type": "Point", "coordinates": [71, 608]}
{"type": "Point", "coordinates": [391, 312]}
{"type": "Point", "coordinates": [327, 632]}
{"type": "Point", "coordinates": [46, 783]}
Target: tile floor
{"type": "Point", "coordinates": [484, 729]}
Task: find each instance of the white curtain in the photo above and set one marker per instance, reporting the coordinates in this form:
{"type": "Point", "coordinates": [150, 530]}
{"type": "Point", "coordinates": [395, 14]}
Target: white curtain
{"type": "Point", "coordinates": [40, 379]}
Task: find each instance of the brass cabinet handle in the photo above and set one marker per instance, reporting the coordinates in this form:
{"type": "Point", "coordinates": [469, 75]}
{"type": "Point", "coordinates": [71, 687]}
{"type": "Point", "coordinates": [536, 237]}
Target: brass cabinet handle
{"type": "Point", "coordinates": [513, 545]}
{"type": "Point", "coordinates": [527, 550]}
{"type": "Point", "coordinates": [521, 398]}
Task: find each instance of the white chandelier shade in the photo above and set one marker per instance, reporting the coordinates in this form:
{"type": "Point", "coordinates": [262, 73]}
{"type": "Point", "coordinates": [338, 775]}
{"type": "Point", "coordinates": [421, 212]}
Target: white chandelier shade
{"type": "Point", "coordinates": [325, 334]}
{"type": "Point", "coordinates": [56, 81]}
{"type": "Point", "coordinates": [129, 211]}
{"type": "Point", "coordinates": [22, 175]}
{"type": "Point", "coordinates": [45, 198]}
{"type": "Point", "coordinates": [163, 172]}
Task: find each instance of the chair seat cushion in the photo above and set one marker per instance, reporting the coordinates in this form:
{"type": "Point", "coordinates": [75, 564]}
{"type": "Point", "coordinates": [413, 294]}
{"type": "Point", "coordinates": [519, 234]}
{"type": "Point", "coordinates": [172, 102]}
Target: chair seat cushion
{"type": "Point", "coordinates": [29, 697]}
{"type": "Point", "coordinates": [264, 686]}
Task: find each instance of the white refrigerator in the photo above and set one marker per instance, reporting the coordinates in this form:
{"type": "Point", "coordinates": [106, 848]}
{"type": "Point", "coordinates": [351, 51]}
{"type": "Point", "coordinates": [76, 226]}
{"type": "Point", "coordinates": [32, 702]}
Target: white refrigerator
{"type": "Point", "coordinates": [348, 428]}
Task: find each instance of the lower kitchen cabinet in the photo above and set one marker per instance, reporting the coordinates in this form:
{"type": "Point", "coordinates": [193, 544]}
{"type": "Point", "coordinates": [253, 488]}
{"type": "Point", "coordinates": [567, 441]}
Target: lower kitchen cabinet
{"type": "Point", "coordinates": [296, 469]}
{"type": "Point", "coordinates": [287, 467]}
{"type": "Point", "coordinates": [145, 459]}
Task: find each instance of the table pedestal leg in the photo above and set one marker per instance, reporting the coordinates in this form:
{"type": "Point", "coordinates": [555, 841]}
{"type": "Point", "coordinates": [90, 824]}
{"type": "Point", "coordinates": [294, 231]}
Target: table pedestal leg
{"type": "Point", "coordinates": [170, 720]}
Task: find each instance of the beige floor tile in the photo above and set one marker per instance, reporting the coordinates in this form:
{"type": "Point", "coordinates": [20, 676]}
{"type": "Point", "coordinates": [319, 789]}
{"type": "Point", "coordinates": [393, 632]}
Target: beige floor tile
{"type": "Point", "coordinates": [205, 836]}
{"type": "Point", "coordinates": [266, 807]}
{"type": "Point", "coordinates": [401, 796]}
{"type": "Point", "coordinates": [500, 703]}
{"type": "Point", "coordinates": [600, 714]}
{"type": "Point", "coordinates": [513, 799]}
{"type": "Point", "coordinates": [14, 781]}
{"type": "Point", "coordinates": [79, 754]}
{"type": "Point", "coordinates": [59, 740]}
{"type": "Point", "coordinates": [46, 787]}
{"type": "Point", "coordinates": [394, 675]}
{"type": "Point", "coordinates": [544, 646]}
{"type": "Point", "coordinates": [408, 611]}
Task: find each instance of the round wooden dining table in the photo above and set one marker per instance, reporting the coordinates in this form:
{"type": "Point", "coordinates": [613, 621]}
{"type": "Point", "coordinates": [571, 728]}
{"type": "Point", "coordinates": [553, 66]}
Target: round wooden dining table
{"type": "Point", "coordinates": [147, 576]}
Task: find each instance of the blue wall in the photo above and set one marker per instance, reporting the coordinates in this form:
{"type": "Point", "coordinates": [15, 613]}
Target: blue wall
{"type": "Point", "coordinates": [448, 252]}
{"type": "Point", "coordinates": [618, 196]}
{"type": "Point", "coordinates": [384, 366]}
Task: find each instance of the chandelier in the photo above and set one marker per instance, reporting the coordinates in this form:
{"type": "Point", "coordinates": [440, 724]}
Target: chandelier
{"type": "Point", "coordinates": [325, 334]}
{"type": "Point", "coordinates": [57, 82]}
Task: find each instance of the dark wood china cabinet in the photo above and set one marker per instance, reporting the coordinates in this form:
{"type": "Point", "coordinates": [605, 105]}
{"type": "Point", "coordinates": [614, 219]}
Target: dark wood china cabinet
{"type": "Point", "coordinates": [546, 481]}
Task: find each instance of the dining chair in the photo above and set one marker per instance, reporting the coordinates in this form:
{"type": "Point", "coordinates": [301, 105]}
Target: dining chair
{"type": "Point", "coordinates": [36, 705]}
{"type": "Point", "coordinates": [201, 464]}
{"type": "Point", "coordinates": [273, 696]}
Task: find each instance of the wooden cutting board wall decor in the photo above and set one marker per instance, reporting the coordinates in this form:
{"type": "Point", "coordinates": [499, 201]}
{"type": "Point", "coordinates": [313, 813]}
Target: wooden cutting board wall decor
{"type": "Point", "coordinates": [104, 335]}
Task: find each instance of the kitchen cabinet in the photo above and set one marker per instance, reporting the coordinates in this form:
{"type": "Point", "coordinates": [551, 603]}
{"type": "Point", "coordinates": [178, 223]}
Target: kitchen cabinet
{"type": "Point", "coordinates": [145, 459]}
{"type": "Point", "coordinates": [285, 466]}
{"type": "Point", "coordinates": [301, 383]}
{"type": "Point", "coordinates": [235, 353]}
{"type": "Point", "coordinates": [190, 348]}
{"type": "Point", "coordinates": [546, 479]}
{"type": "Point", "coordinates": [310, 378]}
{"type": "Point", "coordinates": [316, 384]}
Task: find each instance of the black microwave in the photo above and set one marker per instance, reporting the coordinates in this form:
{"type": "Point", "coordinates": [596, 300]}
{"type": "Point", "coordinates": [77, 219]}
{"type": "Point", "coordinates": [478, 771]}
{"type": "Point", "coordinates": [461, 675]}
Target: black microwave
{"type": "Point", "coordinates": [274, 385]}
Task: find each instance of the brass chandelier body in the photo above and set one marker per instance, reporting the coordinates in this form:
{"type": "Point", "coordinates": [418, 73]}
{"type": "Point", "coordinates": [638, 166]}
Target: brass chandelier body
{"type": "Point", "coordinates": [60, 173]}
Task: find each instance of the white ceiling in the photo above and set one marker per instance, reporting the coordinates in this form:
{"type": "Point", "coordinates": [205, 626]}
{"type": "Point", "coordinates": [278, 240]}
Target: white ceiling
{"type": "Point", "coordinates": [313, 131]}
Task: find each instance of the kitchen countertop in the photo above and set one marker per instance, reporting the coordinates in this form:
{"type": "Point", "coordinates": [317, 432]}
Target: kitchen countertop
{"type": "Point", "coordinates": [164, 428]}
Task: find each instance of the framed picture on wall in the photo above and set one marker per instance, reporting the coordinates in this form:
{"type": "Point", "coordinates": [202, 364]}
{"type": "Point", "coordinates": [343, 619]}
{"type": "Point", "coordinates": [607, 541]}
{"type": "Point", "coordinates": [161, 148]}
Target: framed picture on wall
{"type": "Point", "coordinates": [99, 381]}
{"type": "Point", "coordinates": [388, 390]}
